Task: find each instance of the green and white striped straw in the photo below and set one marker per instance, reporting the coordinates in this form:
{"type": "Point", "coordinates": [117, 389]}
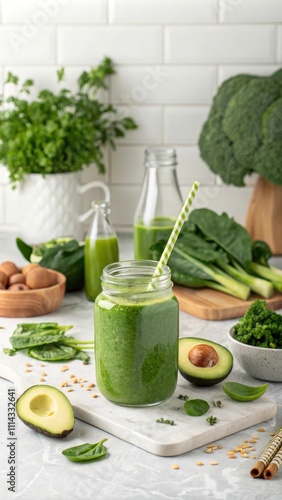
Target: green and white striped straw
{"type": "Point", "coordinates": [176, 231]}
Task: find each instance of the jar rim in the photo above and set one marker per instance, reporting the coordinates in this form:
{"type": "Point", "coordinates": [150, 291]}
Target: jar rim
{"type": "Point", "coordinates": [135, 276]}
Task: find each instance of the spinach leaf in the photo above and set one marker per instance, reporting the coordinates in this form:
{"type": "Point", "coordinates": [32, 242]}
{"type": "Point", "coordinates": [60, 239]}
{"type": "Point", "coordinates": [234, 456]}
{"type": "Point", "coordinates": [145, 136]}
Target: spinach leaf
{"type": "Point", "coordinates": [25, 249]}
{"type": "Point", "coordinates": [52, 352]}
{"type": "Point", "coordinates": [196, 407]}
{"type": "Point", "coordinates": [223, 230]}
{"type": "Point", "coordinates": [86, 452]}
{"type": "Point", "coordinates": [48, 342]}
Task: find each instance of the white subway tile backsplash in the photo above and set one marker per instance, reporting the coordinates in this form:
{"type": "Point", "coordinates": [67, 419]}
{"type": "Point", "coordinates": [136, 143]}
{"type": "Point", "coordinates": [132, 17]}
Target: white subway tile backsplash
{"type": "Point", "coordinates": [127, 165]}
{"type": "Point", "coordinates": [162, 11]}
{"type": "Point", "coordinates": [169, 55]}
{"type": "Point", "coordinates": [279, 43]}
{"type": "Point", "coordinates": [220, 44]}
{"type": "Point", "coordinates": [182, 125]}
{"type": "Point", "coordinates": [226, 72]}
{"type": "Point", "coordinates": [164, 84]}
{"type": "Point", "coordinates": [149, 121]}
{"type": "Point", "coordinates": [27, 44]}
{"type": "Point", "coordinates": [250, 11]}
{"type": "Point", "coordinates": [191, 167]}
{"type": "Point", "coordinates": [124, 201]}
{"type": "Point", "coordinates": [87, 45]}
{"type": "Point", "coordinates": [41, 12]}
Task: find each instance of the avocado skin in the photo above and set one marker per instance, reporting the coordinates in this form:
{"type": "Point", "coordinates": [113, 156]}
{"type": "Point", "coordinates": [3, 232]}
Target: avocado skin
{"type": "Point", "coordinates": [203, 382]}
{"type": "Point", "coordinates": [50, 391]}
{"type": "Point", "coordinates": [43, 431]}
{"type": "Point", "coordinates": [189, 371]}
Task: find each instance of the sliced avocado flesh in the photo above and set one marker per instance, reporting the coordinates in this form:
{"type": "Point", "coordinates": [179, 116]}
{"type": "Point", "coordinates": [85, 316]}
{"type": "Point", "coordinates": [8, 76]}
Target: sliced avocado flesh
{"type": "Point", "coordinates": [47, 410]}
{"type": "Point", "coordinates": [204, 375]}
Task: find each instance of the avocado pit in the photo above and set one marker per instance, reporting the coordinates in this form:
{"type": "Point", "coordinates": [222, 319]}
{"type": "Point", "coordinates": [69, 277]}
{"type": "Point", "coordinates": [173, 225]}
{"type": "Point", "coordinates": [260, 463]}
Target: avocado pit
{"type": "Point", "coordinates": [203, 355]}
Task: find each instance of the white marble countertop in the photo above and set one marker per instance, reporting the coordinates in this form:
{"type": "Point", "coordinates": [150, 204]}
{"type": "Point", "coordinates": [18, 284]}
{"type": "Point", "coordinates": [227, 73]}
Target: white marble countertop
{"type": "Point", "coordinates": [129, 472]}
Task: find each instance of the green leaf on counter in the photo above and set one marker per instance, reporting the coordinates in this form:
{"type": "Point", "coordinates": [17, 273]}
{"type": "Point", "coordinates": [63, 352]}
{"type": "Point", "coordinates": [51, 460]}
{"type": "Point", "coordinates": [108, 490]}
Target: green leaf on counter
{"type": "Point", "coordinates": [241, 392]}
{"type": "Point", "coordinates": [196, 407]}
{"type": "Point", "coordinates": [86, 452]}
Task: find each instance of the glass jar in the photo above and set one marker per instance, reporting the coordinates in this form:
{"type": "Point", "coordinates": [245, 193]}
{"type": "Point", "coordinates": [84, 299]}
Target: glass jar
{"type": "Point", "coordinates": [136, 334]}
{"type": "Point", "coordinates": [101, 248]}
{"type": "Point", "coordinates": [160, 200]}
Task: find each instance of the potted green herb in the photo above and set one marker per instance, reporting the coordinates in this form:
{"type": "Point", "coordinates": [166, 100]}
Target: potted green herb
{"type": "Point", "coordinates": [45, 142]}
{"type": "Point", "coordinates": [243, 135]}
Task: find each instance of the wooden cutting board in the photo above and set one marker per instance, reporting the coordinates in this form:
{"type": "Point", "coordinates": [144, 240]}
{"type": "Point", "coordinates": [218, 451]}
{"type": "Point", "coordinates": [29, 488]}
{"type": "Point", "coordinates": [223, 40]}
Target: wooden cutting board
{"type": "Point", "coordinates": [212, 305]}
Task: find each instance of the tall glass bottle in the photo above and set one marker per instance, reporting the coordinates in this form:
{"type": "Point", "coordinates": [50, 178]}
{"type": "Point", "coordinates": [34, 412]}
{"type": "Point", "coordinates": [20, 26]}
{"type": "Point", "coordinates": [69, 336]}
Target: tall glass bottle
{"type": "Point", "coordinates": [101, 248]}
{"type": "Point", "coordinates": [160, 200]}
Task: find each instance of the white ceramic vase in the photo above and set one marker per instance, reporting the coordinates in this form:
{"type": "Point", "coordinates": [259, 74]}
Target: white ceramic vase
{"type": "Point", "coordinates": [51, 206]}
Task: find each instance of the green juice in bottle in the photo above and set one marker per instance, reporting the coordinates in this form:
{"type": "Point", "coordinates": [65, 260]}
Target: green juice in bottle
{"type": "Point", "coordinates": [101, 249]}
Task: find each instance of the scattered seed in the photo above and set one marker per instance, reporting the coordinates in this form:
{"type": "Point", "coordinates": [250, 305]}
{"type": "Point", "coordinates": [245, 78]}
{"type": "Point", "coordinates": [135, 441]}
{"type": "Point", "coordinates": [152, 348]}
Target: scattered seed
{"type": "Point", "coordinates": [199, 463]}
{"type": "Point", "coordinates": [175, 466]}
{"type": "Point", "coordinates": [63, 384]}
{"type": "Point", "coordinates": [254, 437]}
{"type": "Point", "coordinates": [214, 463]}
{"type": "Point", "coordinates": [74, 380]}
{"type": "Point", "coordinates": [27, 364]}
{"type": "Point", "coordinates": [43, 374]}
{"type": "Point", "coordinates": [91, 385]}
{"type": "Point", "coordinates": [70, 390]}
{"type": "Point", "coordinates": [208, 450]}
{"type": "Point", "coordinates": [71, 375]}
{"type": "Point", "coordinates": [253, 440]}
{"type": "Point", "coordinates": [94, 395]}
{"type": "Point", "coordinates": [232, 456]}
{"type": "Point", "coordinates": [64, 369]}
{"type": "Point", "coordinates": [261, 429]}
{"type": "Point", "coordinates": [81, 385]}
{"type": "Point", "coordinates": [272, 433]}
{"type": "Point", "coordinates": [42, 365]}
{"type": "Point", "coordinates": [87, 389]}
{"type": "Point", "coordinates": [42, 379]}
{"type": "Point", "coordinates": [27, 370]}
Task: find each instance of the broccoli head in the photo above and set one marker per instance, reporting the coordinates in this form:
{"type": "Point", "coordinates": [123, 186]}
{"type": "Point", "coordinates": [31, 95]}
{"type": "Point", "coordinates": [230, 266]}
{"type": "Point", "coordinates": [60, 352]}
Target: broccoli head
{"type": "Point", "coordinates": [243, 131]}
{"type": "Point", "coordinates": [260, 327]}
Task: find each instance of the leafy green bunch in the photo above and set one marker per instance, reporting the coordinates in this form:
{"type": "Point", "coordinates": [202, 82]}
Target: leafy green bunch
{"type": "Point", "coordinates": [243, 132]}
{"type": "Point", "coordinates": [59, 132]}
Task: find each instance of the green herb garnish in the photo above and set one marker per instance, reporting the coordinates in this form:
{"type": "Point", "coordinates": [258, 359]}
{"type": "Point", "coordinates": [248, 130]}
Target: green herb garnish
{"type": "Point", "coordinates": [165, 421]}
{"type": "Point", "coordinates": [217, 404]}
{"type": "Point", "coordinates": [184, 398]}
{"type": "Point", "coordinates": [211, 420]}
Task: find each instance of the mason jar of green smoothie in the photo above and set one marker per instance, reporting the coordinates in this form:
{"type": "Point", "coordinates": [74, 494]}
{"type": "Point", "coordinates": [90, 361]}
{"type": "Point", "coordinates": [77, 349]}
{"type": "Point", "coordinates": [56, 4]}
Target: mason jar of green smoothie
{"type": "Point", "coordinates": [136, 334]}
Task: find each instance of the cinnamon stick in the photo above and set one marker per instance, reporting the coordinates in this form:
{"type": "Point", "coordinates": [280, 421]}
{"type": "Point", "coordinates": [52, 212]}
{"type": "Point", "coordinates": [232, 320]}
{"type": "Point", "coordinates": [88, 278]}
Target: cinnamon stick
{"type": "Point", "coordinates": [267, 456]}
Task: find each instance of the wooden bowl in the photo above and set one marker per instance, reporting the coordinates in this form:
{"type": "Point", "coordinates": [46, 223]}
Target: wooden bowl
{"type": "Point", "coordinates": [22, 304]}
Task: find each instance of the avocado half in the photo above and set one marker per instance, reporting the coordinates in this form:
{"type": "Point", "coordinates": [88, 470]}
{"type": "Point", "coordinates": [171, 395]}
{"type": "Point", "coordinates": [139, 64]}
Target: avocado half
{"type": "Point", "coordinates": [47, 410]}
{"type": "Point", "coordinates": [203, 362]}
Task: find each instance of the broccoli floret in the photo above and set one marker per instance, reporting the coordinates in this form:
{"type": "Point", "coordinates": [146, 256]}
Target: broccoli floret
{"type": "Point", "coordinates": [242, 118]}
{"type": "Point", "coordinates": [215, 147]}
{"type": "Point", "coordinates": [260, 327]}
{"type": "Point", "coordinates": [243, 131]}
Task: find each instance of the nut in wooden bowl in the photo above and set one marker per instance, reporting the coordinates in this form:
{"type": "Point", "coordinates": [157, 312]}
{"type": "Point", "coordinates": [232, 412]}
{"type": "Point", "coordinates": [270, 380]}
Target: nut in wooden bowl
{"type": "Point", "coordinates": [16, 303]}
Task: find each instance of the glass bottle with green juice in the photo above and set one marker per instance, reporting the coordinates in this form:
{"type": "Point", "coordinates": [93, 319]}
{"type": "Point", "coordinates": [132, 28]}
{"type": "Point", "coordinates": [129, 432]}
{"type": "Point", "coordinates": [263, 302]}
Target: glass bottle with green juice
{"type": "Point", "coordinates": [160, 200]}
{"type": "Point", "coordinates": [101, 248]}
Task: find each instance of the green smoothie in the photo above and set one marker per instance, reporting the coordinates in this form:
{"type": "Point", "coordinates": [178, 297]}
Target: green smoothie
{"type": "Point", "coordinates": [146, 236]}
{"type": "Point", "coordinates": [98, 254]}
{"type": "Point", "coordinates": [136, 350]}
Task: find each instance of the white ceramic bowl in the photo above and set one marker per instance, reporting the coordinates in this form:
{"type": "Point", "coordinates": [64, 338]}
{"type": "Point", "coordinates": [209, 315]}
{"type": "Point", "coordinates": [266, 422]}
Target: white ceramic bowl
{"type": "Point", "coordinates": [259, 362]}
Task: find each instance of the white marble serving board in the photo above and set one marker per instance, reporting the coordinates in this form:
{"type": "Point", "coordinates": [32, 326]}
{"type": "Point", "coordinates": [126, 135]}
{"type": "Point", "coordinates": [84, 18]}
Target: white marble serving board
{"type": "Point", "coordinates": [138, 425]}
